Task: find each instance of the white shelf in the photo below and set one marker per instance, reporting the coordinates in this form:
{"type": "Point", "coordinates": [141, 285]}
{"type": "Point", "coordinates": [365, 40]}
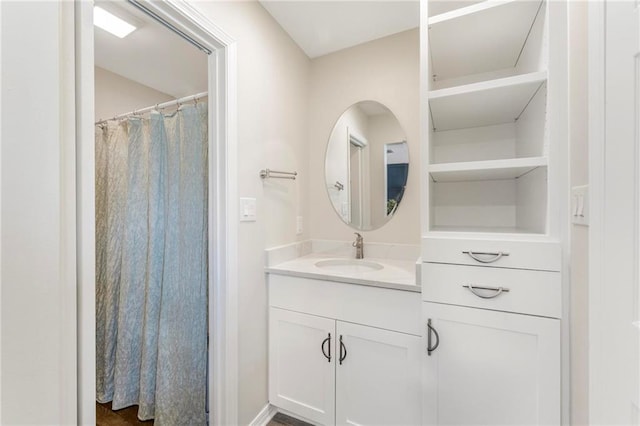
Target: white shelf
{"type": "Point", "coordinates": [442, 7]}
{"type": "Point", "coordinates": [483, 37]}
{"type": "Point", "coordinates": [485, 103]}
{"type": "Point", "coordinates": [437, 231]}
{"type": "Point", "coordinates": [485, 170]}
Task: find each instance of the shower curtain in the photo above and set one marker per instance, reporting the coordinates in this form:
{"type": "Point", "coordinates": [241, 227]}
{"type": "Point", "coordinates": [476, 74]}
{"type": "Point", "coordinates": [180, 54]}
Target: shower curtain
{"type": "Point", "coordinates": [151, 265]}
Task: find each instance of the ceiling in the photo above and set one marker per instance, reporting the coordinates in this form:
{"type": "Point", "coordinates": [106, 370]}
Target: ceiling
{"type": "Point", "coordinates": [156, 57]}
{"type": "Point", "coordinates": [322, 27]}
{"type": "Point", "coordinates": [151, 55]}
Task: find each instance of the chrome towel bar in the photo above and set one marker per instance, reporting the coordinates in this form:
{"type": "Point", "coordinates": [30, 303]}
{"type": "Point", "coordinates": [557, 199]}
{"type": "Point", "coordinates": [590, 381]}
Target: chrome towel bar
{"type": "Point", "coordinates": [268, 173]}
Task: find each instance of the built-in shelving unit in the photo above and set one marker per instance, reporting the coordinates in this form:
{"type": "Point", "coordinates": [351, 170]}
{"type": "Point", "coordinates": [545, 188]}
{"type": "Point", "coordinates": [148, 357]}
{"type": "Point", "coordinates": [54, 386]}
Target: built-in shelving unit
{"type": "Point", "coordinates": [494, 134]}
{"type": "Point", "coordinates": [487, 103]}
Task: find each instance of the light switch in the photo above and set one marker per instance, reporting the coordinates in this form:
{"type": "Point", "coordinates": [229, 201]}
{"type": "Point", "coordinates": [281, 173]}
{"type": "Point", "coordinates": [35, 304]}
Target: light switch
{"type": "Point", "coordinates": [247, 209]}
{"type": "Point", "coordinates": [580, 205]}
{"type": "Point", "coordinates": [299, 225]}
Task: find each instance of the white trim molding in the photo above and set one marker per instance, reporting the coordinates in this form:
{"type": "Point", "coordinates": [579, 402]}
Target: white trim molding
{"type": "Point", "coordinates": [264, 416]}
{"type": "Point", "coordinates": [223, 233]}
{"type": "Point", "coordinates": [85, 213]}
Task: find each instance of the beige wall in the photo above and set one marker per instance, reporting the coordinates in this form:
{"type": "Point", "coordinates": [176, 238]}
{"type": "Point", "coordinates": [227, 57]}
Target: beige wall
{"type": "Point", "coordinates": [118, 95]}
{"type": "Point", "coordinates": [579, 234]}
{"type": "Point", "coordinates": [384, 70]}
{"type": "Point", "coordinates": [272, 132]}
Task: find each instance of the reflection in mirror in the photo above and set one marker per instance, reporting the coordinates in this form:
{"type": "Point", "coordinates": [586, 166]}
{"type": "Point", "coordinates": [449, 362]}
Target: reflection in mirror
{"type": "Point", "coordinates": [366, 165]}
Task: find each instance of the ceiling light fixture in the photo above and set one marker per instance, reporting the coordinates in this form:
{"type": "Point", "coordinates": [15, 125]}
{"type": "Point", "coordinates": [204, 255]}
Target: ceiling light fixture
{"type": "Point", "coordinates": [111, 23]}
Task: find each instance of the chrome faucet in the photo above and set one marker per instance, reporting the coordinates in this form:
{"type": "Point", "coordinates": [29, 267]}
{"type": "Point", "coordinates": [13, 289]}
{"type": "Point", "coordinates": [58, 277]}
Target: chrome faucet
{"type": "Point", "coordinates": [359, 245]}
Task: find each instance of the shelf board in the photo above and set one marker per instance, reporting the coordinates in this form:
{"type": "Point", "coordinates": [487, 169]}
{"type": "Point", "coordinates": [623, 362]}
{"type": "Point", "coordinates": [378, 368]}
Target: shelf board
{"type": "Point", "coordinates": [483, 37]}
{"type": "Point", "coordinates": [511, 168]}
{"type": "Point", "coordinates": [442, 7]}
{"type": "Point", "coordinates": [484, 104]}
{"type": "Point", "coordinates": [439, 231]}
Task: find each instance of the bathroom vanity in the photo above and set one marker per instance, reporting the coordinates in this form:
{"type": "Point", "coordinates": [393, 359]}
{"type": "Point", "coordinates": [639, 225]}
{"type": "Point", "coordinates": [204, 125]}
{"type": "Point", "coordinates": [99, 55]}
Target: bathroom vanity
{"type": "Point", "coordinates": [344, 338]}
{"type": "Point", "coordinates": [483, 338]}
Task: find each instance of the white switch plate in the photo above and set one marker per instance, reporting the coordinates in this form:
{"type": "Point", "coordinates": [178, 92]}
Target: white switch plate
{"type": "Point", "coordinates": [580, 205]}
{"type": "Point", "coordinates": [247, 209]}
{"type": "Point", "coordinates": [299, 225]}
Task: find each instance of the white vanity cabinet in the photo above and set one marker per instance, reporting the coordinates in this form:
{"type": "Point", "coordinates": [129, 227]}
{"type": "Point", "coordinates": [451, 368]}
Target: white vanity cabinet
{"type": "Point", "coordinates": [490, 368]}
{"type": "Point", "coordinates": [377, 381]}
{"type": "Point", "coordinates": [302, 364]}
{"type": "Point", "coordinates": [344, 354]}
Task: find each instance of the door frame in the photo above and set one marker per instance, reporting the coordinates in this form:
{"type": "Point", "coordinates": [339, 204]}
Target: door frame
{"type": "Point", "coordinates": [223, 235]}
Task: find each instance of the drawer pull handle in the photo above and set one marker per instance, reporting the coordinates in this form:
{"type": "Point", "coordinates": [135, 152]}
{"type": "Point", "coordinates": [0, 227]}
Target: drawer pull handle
{"type": "Point", "coordinates": [430, 330]}
{"type": "Point", "coordinates": [327, 340]}
{"type": "Point", "coordinates": [496, 256]}
{"type": "Point", "coordinates": [498, 291]}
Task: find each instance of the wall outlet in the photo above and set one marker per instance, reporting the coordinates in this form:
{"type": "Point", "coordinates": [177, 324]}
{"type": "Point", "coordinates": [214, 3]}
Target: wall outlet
{"type": "Point", "coordinates": [580, 205]}
{"type": "Point", "coordinates": [247, 209]}
{"type": "Point", "coordinates": [299, 225]}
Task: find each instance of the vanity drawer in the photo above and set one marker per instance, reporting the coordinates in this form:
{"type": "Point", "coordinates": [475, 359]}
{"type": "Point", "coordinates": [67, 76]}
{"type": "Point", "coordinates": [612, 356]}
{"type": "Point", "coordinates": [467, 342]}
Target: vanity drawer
{"type": "Point", "coordinates": [538, 255]}
{"type": "Point", "coordinates": [527, 292]}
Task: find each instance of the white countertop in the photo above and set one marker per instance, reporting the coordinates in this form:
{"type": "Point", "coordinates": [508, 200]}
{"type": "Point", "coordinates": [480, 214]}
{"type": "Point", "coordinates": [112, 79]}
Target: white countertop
{"type": "Point", "coordinates": [395, 274]}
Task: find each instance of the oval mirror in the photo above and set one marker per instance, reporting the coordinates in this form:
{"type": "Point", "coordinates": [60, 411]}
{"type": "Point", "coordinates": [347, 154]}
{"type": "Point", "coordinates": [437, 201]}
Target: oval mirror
{"type": "Point", "coordinates": [366, 165]}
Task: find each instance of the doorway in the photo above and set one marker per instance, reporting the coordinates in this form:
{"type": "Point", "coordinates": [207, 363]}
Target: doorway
{"type": "Point", "coordinates": [191, 25]}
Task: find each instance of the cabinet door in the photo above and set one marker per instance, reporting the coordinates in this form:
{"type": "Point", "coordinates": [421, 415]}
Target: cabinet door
{"type": "Point", "coordinates": [490, 368]}
{"type": "Point", "coordinates": [301, 377]}
{"type": "Point", "coordinates": [378, 380]}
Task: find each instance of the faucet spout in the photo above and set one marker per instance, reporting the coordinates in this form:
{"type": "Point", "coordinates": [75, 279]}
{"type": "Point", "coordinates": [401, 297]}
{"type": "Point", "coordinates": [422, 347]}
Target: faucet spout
{"type": "Point", "coordinates": [359, 245]}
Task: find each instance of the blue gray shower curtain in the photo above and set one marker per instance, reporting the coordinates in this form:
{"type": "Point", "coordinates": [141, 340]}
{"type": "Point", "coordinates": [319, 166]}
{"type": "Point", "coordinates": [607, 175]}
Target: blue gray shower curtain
{"type": "Point", "coordinates": [151, 265]}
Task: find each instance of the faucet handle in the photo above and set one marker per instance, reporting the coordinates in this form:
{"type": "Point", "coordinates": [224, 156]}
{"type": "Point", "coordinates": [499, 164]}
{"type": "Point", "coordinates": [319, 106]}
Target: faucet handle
{"type": "Point", "coordinates": [358, 240]}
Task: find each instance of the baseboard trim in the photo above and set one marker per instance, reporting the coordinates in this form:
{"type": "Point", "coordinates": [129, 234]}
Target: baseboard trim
{"type": "Point", "coordinates": [264, 416]}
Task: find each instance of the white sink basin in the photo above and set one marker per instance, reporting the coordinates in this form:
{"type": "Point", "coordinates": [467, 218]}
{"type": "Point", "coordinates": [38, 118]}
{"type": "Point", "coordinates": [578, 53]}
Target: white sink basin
{"type": "Point", "coordinates": [348, 265]}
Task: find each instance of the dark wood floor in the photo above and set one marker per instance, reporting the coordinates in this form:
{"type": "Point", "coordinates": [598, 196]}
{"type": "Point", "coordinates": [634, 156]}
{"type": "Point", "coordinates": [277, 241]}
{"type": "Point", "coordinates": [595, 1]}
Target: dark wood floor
{"type": "Point", "coordinates": [284, 420]}
{"type": "Point", "coordinates": [105, 416]}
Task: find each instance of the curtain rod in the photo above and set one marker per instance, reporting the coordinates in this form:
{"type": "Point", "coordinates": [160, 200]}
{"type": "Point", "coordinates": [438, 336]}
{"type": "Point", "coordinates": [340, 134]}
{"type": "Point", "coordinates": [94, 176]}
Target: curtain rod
{"type": "Point", "coordinates": [190, 98]}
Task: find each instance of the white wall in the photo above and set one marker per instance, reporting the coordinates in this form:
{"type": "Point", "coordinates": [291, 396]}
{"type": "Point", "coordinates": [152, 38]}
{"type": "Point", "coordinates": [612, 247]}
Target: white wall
{"type": "Point", "coordinates": [578, 134]}
{"type": "Point", "coordinates": [272, 133]}
{"type": "Point", "coordinates": [37, 268]}
{"type": "Point", "coordinates": [384, 70]}
{"type": "Point", "coordinates": [118, 95]}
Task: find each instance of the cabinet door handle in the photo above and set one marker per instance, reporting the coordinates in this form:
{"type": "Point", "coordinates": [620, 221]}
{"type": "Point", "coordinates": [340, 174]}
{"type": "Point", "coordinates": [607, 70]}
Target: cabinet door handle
{"type": "Point", "coordinates": [327, 340]}
{"type": "Point", "coordinates": [496, 256]}
{"type": "Point", "coordinates": [431, 330]}
{"type": "Point", "coordinates": [498, 291]}
{"type": "Point", "coordinates": [343, 356]}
